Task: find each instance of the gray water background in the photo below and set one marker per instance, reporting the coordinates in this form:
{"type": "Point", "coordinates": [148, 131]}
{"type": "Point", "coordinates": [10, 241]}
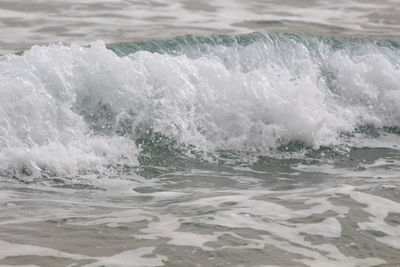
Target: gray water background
{"type": "Point", "coordinates": [26, 23]}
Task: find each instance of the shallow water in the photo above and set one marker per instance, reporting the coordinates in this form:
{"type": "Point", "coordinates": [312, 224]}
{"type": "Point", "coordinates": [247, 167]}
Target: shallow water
{"type": "Point", "coordinates": [302, 215]}
{"type": "Point", "coordinates": [238, 145]}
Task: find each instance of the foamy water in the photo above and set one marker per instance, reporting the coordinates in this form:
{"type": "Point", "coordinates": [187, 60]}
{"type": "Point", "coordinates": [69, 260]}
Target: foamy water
{"type": "Point", "coordinates": [238, 145]}
{"type": "Point", "coordinates": [205, 218]}
{"type": "Point", "coordinates": [75, 110]}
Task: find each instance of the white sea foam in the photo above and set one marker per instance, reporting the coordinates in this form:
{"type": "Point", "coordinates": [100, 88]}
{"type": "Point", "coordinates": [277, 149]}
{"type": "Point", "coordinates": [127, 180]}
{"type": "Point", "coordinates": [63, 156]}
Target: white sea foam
{"type": "Point", "coordinates": [309, 226]}
{"type": "Point", "coordinates": [71, 109]}
{"type": "Point", "coordinates": [135, 257]}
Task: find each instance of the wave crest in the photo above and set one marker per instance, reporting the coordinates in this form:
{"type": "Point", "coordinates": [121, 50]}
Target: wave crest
{"type": "Point", "coordinates": [252, 92]}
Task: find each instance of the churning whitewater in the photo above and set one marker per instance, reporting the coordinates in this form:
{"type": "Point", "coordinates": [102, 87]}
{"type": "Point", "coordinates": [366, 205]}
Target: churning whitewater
{"type": "Point", "coordinates": [73, 110]}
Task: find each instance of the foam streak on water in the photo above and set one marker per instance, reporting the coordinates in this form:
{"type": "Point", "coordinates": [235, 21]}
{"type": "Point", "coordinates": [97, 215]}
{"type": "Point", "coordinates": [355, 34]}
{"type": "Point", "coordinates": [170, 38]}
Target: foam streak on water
{"type": "Point", "coordinates": [204, 218]}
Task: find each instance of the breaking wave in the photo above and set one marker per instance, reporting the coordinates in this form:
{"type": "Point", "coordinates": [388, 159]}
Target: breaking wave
{"type": "Point", "coordinates": [73, 110]}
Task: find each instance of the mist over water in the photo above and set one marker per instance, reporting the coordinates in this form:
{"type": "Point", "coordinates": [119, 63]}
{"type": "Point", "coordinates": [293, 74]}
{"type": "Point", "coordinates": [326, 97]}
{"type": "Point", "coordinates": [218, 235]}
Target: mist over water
{"type": "Point", "coordinates": [199, 134]}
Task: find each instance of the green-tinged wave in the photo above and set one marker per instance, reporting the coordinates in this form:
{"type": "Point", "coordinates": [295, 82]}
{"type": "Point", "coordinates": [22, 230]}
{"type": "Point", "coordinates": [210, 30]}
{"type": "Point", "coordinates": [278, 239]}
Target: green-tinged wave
{"type": "Point", "coordinates": [160, 106]}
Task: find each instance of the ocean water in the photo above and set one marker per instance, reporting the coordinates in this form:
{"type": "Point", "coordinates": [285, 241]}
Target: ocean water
{"type": "Point", "coordinates": [194, 133]}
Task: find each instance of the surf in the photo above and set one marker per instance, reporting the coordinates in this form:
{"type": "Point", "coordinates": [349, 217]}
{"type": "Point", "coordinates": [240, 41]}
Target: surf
{"type": "Point", "coordinates": [74, 110]}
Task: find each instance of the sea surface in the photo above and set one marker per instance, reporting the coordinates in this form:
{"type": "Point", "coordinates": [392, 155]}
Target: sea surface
{"type": "Point", "coordinates": [199, 133]}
